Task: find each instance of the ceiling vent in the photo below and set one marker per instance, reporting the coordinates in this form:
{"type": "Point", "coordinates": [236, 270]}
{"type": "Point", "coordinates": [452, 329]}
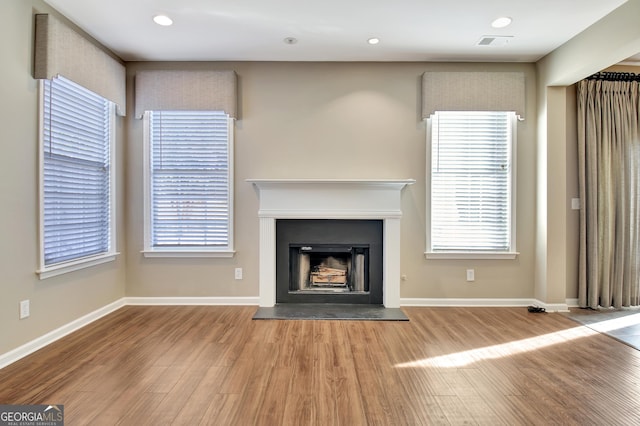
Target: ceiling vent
{"type": "Point", "coordinates": [494, 40]}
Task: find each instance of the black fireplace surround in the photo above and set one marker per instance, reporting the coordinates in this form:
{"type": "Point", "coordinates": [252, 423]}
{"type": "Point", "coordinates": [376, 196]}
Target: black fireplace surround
{"type": "Point", "coordinates": [329, 261]}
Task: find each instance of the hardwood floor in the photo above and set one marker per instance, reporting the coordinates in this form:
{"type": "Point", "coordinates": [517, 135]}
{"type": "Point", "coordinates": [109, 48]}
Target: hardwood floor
{"type": "Point", "coordinates": [193, 365]}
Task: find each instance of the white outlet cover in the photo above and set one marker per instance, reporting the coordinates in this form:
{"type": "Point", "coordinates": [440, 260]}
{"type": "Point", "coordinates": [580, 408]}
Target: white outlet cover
{"type": "Point", "coordinates": [24, 309]}
{"type": "Point", "coordinates": [575, 204]}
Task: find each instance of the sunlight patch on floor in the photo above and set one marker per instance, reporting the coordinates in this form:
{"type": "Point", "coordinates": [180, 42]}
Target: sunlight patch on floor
{"type": "Point", "coordinates": [465, 358]}
{"type": "Point", "coordinates": [616, 323]}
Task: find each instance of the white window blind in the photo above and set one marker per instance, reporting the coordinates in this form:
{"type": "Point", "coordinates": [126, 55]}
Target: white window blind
{"type": "Point", "coordinates": [76, 175]}
{"type": "Point", "coordinates": [471, 181]}
{"type": "Point", "coordinates": [189, 177]}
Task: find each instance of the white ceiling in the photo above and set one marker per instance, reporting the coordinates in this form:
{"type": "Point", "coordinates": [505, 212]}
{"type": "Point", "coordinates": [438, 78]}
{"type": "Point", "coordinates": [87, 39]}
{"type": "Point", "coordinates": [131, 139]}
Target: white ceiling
{"type": "Point", "coordinates": [332, 30]}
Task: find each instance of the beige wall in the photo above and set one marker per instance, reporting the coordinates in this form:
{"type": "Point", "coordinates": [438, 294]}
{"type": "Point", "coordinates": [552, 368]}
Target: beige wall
{"type": "Point", "coordinates": [610, 40]}
{"type": "Point", "coordinates": [366, 116]}
{"type": "Point", "coordinates": [59, 300]}
{"type": "Point", "coordinates": [573, 191]}
{"type": "Point", "coordinates": [333, 120]}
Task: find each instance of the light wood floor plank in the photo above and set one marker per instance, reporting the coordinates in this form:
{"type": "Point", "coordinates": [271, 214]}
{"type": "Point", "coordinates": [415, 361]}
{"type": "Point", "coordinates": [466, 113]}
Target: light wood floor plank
{"type": "Point", "coordinates": [193, 411]}
{"type": "Point", "coordinates": [214, 365]}
{"type": "Point", "coordinates": [271, 411]}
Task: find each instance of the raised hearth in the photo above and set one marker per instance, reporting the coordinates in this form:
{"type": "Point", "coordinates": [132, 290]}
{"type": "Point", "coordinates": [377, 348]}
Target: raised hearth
{"type": "Point", "coordinates": [367, 199]}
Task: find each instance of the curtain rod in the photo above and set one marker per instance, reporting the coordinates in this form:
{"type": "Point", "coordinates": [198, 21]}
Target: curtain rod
{"type": "Point", "coordinates": [614, 76]}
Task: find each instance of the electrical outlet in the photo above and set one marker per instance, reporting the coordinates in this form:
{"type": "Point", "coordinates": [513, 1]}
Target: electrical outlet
{"type": "Point", "coordinates": [575, 204]}
{"type": "Point", "coordinates": [24, 309]}
{"type": "Point", "coordinates": [238, 273]}
{"type": "Point", "coordinates": [471, 275]}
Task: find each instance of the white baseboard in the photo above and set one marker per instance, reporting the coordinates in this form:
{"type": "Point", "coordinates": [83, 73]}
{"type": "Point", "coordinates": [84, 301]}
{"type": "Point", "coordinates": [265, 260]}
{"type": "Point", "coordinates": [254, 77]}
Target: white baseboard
{"type": "Point", "coordinates": [42, 341]}
{"type": "Point", "coordinates": [488, 303]}
{"type": "Point", "coordinates": [572, 303]}
{"type": "Point", "coordinates": [553, 307]}
{"type": "Point", "coordinates": [460, 302]}
{"type": "Point", "coordinates": [234, 301]}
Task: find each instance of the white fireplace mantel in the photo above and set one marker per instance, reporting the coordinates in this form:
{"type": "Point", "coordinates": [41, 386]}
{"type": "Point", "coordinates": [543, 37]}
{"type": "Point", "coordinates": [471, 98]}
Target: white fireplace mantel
{"type": "Point", "coordinates": [330, 199]}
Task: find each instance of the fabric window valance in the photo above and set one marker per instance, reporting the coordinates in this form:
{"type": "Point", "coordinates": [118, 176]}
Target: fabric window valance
{"type": "Point", "coordinates": [186, 90]}
{"type": "Point", "coordinates": [473, 91]}
{"type": "Point", "coordinates": [60, 50]}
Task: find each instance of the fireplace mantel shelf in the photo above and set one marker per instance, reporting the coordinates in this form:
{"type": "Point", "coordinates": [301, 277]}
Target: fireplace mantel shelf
{"type": "Point", "coordinates": [378, 199]}
{"type": "Point", "coordinates": [330, 198]}
{"type": "Point", "coordinates": [331, 184]}
{"type": "Point", "coordinates": [365, 182]}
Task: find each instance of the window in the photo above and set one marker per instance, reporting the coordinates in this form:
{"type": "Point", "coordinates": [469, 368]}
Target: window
{"type": "Point", "coordinates": [76, 186]}
{"type": "Point", "coordinates": [472, 191]}
{"type": "Point", "coordinates": [188, 184]}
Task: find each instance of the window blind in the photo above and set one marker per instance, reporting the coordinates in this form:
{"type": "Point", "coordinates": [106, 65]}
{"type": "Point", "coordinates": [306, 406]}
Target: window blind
{"type": "Point", "coordinates": [190, 179]}
{"type": "Point", "coordinates": [76, 172]}
{"type": "Point", "coordinates": [471, 181]}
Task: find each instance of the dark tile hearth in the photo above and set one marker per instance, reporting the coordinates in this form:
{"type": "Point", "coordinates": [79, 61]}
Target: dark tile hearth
{"type": "Point", "coordinates": [325, 311]}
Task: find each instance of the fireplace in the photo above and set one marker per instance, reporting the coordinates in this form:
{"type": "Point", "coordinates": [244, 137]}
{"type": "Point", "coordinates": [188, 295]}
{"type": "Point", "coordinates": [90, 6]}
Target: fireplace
{"type": "Point", "coordinates": [328, 268]}
{"type": "Point", "coordinates": [331, 199]}
{"type": "Point", "coordinates": [329, 261]}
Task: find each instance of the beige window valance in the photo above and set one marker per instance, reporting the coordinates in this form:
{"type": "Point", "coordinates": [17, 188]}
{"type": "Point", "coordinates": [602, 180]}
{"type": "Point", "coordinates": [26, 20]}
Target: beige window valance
{"type": "Point", "coordinates": [186, 90]}
{"type": "Point", "coordinates": [473, 91]}
{"type": "Point", "coordinates": [60, 50]}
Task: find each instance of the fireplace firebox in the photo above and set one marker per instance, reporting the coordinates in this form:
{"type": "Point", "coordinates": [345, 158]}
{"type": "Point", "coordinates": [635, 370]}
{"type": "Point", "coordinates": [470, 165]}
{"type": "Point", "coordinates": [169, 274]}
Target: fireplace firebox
{"type": "Point", "coordinates": [334, 268]}
{"type": "Point", "coordinates": [329, 261]}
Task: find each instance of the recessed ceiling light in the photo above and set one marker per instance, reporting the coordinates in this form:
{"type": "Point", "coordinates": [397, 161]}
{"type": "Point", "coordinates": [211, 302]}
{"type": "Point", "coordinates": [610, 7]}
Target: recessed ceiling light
{"type": "Point", "coordinates": [163, 20]}
{"type": "Point", "coordinates": [373, 40]}
{"type": "Point", "coordinates": [501, 22]}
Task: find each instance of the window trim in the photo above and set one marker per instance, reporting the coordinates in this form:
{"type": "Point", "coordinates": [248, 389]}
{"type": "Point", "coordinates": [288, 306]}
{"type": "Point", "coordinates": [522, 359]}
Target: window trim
{"type": "Point", "coordinates": [512, 252]}
{"type": "Point", "coordinates": [48, 271]}
{"type": "Point", "coordinates": [187, 252]}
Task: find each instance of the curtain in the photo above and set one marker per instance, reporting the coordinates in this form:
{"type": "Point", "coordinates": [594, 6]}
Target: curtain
{"type": "Point", "coordinates": [473, 91]}
{"type": "Point", "coordinates": [205, 90]}
{"type": "Point", "coordinates": [609, 177]}
{"type": "Point", "coordinates": [62, 51]}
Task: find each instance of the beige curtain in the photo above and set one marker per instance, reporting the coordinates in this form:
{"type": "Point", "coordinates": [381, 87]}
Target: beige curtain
{"type": "Point", "coordinates": [61, 50]}
{"type": "Point", "coordinates": [472, 91]}
{"type": "Point", "coordinates": [609, 175]}
{"type": "Point", "coordinates": [186, 90]}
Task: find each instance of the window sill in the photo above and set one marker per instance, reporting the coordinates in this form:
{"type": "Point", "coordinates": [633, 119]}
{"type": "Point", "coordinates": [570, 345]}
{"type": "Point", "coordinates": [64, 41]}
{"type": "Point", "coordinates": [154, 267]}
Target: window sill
{"type": "Point", "coordinates": [63, 268]}
{"type": "Point", "coordinates": [471, 255]}
{"type": "Point", "coordinates": [188, 253]}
